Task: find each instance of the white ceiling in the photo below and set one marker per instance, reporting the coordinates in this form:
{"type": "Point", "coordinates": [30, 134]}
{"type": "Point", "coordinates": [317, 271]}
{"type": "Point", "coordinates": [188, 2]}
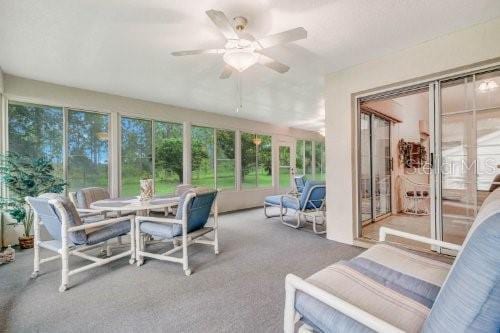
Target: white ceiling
{"type": "Point", "coordinates": [123, 47]}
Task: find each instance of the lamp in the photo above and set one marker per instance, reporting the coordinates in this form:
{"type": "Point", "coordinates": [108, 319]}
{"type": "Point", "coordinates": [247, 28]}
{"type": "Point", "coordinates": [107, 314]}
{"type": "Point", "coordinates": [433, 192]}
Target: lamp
{"type": "Point", "coordinates": [240, 59]}
{"type": "Point", "coordinates": [257, 141]}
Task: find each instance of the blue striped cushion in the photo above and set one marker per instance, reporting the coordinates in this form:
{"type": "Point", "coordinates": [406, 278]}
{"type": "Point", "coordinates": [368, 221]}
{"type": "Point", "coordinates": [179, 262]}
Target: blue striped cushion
{"type": "Point", "coordinates": [469, 300]}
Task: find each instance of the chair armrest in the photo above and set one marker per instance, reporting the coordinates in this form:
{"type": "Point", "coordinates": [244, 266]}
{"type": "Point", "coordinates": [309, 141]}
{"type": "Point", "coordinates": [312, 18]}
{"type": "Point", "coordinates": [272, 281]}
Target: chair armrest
{"type": "Point", "coordinates": [101, 223]}
{"type": "Point", "coordinates": [384, 231]}
{"type": "Point", "coordinates": [157, 219]}
{"type": "Point", "coordinates": [294, 283]}
{"type": "Point", "coordinates": [83, 212]}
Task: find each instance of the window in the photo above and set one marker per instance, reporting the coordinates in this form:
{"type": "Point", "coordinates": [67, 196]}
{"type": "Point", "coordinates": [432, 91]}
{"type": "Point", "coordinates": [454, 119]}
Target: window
{"type": "Point", "coordinates": [87, 149]}
{"type": "Point", "coordinates": [37, 131]}
{"type": "Point", "coordinates": [168, 156]}
{"type": "Point", "coordinates": [284, 160]}
{"type": "Point", "coordinates": [308, 159]}
{"type": "Point", "coordinates": [204, 152]}
{"type": "Point", "coordinates": [202, 156]}
{"type": "Point", "coordinates": [256, 160]}
{"type": "Point", "coordinates": [225, 168]}
{"type": "Point", "coordinates": [299, 158]}
{"type": "Point", "coordinates": [136, 154]}
{"type": "Point", "coordinates": [319, 160]}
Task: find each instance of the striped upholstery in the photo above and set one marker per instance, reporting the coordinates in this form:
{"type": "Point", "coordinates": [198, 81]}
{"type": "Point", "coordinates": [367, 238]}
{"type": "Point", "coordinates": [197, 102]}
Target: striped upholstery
{"type": "Point", "coordinates": [86, 196]}
{"type": "Point", "coordinates": [375, 288]}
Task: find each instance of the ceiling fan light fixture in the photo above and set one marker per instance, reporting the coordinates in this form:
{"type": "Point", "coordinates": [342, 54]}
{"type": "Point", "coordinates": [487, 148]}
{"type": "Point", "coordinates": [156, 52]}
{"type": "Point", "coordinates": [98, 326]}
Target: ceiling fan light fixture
{"type": "Point", "coordinates": [240, 59]}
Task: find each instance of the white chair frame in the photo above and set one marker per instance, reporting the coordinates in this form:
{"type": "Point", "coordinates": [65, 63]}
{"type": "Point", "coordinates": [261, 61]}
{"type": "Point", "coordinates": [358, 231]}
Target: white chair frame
{"type": "Point", "coordinates": [309, 215]}
{"type": "Point", "coordinates": [65, 249]}
{"type": "Point", "coordinates": [294, 283]}
{"type": "Point", "coordinates": [181, 242]}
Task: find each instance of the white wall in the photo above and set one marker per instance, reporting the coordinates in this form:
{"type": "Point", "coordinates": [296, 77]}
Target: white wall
{"type": "Point", "coordinates": [441, 56]}
{"type": "Point", "coordinates": [26, 90]}
{"type": "Point", "coordinates": [1, 80]}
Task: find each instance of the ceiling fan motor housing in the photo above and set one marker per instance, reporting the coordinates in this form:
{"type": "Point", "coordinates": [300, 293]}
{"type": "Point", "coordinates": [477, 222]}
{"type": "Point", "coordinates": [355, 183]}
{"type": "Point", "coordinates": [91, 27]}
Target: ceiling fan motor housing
{"type": "Point", "coordinates": [240, 23]}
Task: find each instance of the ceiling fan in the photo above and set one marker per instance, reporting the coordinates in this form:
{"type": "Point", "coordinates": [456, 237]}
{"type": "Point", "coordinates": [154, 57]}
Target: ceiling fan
{"type": "Point", "coordinates": [242, 50]}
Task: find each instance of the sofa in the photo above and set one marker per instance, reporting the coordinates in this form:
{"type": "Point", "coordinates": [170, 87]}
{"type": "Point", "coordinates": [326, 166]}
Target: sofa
{"type": "Point", "coordinates": [393, 289]}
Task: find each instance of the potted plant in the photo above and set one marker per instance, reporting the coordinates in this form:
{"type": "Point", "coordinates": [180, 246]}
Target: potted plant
{"type": "Point", "coordinates": [26, 176]}
{"type": "Point", "coordinates": [146, 187]}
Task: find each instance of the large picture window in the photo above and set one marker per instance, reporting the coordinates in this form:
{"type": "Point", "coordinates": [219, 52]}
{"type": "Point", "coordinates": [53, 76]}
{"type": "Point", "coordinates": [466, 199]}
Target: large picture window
{"type": "Point", "coordinates": [304, 160]}
{"type": "Point", "coordinates": [209, 145]}
{"type": "Point", "coordinates": [87, 149]}
{"type": "Point", "coordinates": [308, 162]}
{"type": "Point", "coordinates": [319, 161]}
{"type": "Point", "coordinates": [256, 160]}
{"type": "Point", "coordinates": [225, 168]}
{"type": "Point", "coordinates": [202, 156]}
{"type": "Point", "coordinates": [168, 156]}
{"type": "Point", "coordinates": [136, 154]}
{"type": "Point", "coordinates": [37, 131]}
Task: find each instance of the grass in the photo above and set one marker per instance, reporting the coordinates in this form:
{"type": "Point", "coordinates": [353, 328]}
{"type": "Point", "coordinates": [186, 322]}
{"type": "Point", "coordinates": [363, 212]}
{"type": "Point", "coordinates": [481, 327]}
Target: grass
{"type": "Point", "coordinates": [166, 185]}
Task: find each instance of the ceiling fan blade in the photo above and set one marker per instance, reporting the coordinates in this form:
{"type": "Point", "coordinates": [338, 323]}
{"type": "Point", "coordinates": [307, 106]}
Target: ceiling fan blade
{"type": "Point", "coordinates": [226, 72]}
{"type": "Point", "coordinates": [221, 21]}
{"type": "Point", "coordinates": [282, 38]}
{"type": "Point", "coordinates": [193, 52]}
{"type": "Point", "coordinates": [273, 64]}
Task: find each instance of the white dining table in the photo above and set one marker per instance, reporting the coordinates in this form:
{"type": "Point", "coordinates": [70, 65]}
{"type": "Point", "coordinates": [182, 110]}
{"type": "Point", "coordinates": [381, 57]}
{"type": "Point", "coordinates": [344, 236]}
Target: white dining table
{"type": "Point", "coordinates": [133, 204]}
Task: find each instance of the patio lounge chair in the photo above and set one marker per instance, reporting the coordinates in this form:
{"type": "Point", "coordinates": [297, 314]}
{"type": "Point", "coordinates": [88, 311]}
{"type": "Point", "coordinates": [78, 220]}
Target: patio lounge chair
{"type": "Point", "coordinates": [188, 227]}
{"type": "Point", "coordinates": [389, 289]}
{"type": "Point", "coordinates": [70, 236]}
{"type": "Point", "coordinates": [309, 206]}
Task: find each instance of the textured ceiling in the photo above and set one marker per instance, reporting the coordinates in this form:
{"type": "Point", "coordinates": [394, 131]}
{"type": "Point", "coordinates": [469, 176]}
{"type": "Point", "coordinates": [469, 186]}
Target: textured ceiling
{"type": "Point", "coordinates": [123, 47]}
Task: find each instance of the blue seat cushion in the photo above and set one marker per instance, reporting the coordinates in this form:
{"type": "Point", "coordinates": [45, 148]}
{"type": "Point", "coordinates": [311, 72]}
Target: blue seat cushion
{"type": "Point", "coordinates": [273, 200]}
{"type": "Point", "coordinates": [161, 230]}
{"type": "Point", "coordinates": [108, 232]}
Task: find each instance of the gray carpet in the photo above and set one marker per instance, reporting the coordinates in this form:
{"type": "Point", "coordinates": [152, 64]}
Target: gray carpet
{"type": "Point", "coordinates": [240, 290]}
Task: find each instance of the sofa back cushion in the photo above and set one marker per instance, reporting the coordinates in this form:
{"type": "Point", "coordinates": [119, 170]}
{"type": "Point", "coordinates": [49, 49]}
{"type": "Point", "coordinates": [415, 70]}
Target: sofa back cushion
{"type": "Point", "coordinates": [469, 299]}
{"type": "Point", "coordinates": [198, 209]}
{"type": "Point", "coordinates": [86, 196]}
{"type": "Point", "coordinates": [51, 217]}
{"type": "Point", "coordinates": [313, 194]}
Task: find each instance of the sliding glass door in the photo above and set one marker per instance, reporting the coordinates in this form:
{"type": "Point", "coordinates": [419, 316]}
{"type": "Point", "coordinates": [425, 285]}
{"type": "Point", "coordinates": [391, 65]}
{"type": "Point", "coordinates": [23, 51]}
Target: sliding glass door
{"type": "Point", "coordinates": [470, 150]}
{"type": "Point", "coordinates": [375, 167]}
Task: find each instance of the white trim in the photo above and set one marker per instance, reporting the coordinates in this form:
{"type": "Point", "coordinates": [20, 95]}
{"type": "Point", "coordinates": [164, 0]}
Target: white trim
{"type": "Point", "coordinates": [384, 231]}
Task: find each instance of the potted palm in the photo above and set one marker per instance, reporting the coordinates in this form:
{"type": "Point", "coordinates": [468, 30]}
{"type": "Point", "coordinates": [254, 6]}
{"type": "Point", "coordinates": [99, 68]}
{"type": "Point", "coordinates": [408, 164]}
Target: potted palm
{"type": "Point", "coordinates": [25, 176]}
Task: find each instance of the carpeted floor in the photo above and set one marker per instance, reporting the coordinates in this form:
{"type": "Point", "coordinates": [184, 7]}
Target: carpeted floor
{"type": "Point", "coordinates": [240, 290]}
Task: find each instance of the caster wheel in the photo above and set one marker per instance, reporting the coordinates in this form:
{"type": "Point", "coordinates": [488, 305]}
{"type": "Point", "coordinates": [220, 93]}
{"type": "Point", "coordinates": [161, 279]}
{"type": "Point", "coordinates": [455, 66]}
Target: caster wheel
{"type": "Point", "coordinates": [62, 288]}
{"type": "Point", "coordinates": [216, 251]}
{"type": "Point", "coordinates": [140, 262]}
{"type": "Point", "coordinates": [187, 272]}
{"type": "Point", "coordinates": [131, 261]}
{"type": "Point", "coordinates": [34, 275]}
